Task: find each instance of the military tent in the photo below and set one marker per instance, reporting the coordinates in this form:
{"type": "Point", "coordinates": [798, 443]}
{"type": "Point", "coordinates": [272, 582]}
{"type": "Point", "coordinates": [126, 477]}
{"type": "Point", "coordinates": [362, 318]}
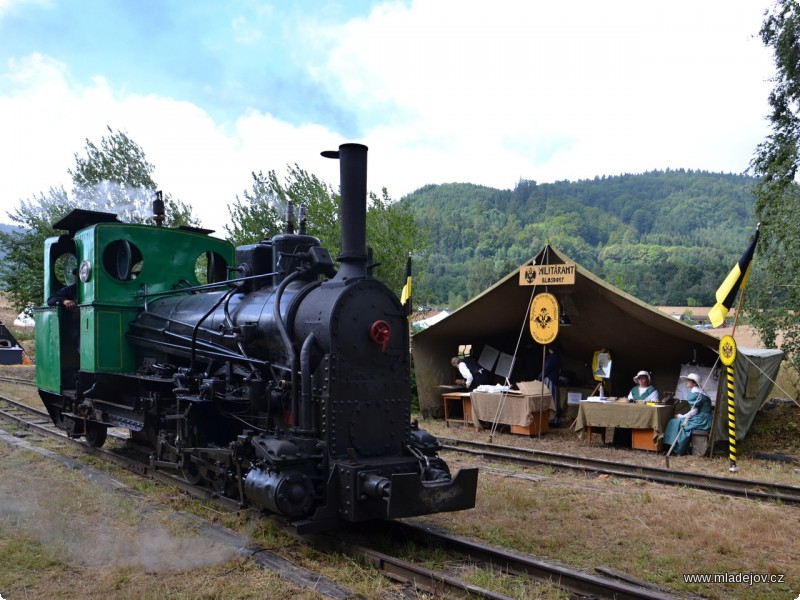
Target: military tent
{"type": "Point", "coordinates": [601, 317]}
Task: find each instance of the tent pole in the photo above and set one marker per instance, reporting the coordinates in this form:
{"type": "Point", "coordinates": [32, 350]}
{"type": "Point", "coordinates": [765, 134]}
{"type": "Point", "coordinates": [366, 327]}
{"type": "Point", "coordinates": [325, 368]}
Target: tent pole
{"type": "Point", "coordinates": [711, 439]}
{"type": "Point", "coordinates": [541, 389]}
{"type": "Point", "coordinates": [496, 421]}
{"type": "Point", "coordinates": [711, 434]}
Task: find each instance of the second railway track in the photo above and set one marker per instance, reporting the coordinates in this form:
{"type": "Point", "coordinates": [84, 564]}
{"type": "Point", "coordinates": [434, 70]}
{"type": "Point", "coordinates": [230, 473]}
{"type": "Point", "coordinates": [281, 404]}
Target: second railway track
{"type": "Point", "coordinates": [721, 485]}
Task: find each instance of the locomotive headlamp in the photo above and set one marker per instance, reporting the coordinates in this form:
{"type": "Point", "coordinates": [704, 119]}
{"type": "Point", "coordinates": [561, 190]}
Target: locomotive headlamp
{"type": "Point", "coordinates": [85, 271]}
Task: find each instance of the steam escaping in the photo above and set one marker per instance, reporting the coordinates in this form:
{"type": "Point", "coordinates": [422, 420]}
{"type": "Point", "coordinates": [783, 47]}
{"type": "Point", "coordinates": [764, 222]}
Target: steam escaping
{"type": "Point", "coordinates": [131, 204]}
{"type": "Point", "coordinates": [81, 522]}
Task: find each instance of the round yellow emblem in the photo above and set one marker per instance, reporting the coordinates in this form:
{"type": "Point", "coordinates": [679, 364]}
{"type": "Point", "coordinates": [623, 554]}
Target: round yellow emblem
{"type": "Point", "coordinates": [544, 318]}
{"type": "Point", "coordinates": [727, 350]}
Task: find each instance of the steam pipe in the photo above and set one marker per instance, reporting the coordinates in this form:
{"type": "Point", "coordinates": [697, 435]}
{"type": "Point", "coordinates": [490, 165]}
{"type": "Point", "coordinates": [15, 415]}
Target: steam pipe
{"type": "Point", "coordinates": [303, 219]}
{"type": "Point", "coordinates": [287, 342]}
{"type": "Point", "coordinates": [306, 411]}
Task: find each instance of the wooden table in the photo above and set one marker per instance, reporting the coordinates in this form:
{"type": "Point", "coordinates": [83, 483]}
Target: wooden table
{"type": "Point", "coordinates": [525, 415]}
{"type": "Point", "coordinates": [646, 422]}
{"type": "Point", "coordinates": [462, 399]}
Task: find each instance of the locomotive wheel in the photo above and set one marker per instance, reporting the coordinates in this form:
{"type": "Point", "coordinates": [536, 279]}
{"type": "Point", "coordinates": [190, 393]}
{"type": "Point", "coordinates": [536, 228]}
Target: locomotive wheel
{"type": "Point", "coordinates": [96, 434]}
{"type": "Point", "coordinates": [191, 473]}
{"type": "Point", "coordinates": [191, 476]}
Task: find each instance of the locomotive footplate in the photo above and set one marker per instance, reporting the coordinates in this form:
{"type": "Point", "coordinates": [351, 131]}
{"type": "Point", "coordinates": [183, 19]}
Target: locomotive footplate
{"type": "Point", "coordinates": [377, 491]}
{"type": "Point", "coordinates": [410, 496]}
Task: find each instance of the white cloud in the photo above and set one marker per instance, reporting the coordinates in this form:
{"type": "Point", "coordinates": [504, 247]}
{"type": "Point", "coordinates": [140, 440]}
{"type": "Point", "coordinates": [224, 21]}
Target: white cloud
{"type": "Point", "coordinates": [549, 90]}
{"type": "Point", "coordinates": [451, 91]}
{"type": "Point", "coordinates": [196, 160]}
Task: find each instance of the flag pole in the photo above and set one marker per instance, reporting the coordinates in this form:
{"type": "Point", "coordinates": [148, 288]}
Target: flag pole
{"type": "Point", "coordinates": [405, 295]}
{"type": "Point", "coordinates": [738, 310]}
{"type": "Point", "coordinates": [733, 283]}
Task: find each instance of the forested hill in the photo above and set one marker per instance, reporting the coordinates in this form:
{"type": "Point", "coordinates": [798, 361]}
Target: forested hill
{"type": "Point", "coordinates": [667, 237]}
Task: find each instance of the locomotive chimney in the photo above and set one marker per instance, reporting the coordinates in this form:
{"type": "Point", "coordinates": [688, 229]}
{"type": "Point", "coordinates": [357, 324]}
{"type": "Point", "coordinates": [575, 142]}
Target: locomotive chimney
{"type": "Point", "coordinates": [353, 175]}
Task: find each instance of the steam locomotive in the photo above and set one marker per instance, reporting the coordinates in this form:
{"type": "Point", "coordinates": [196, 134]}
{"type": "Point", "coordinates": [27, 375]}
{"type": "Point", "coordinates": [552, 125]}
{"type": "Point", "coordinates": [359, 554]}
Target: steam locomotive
{"type": "Point", "coordinates": [263, 371]}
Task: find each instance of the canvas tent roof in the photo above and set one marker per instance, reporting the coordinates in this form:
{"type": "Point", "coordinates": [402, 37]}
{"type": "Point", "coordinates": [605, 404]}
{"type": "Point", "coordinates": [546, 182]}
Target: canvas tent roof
{"type": "Point", "coordinates": [602, 316]}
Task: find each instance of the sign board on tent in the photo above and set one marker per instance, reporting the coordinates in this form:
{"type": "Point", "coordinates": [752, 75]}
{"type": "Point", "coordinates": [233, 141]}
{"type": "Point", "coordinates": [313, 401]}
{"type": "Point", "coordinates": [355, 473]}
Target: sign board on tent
{"type": "Point", "coordinates": [544, 318]}
{"type": "Point", "coordinates": [563, 274]}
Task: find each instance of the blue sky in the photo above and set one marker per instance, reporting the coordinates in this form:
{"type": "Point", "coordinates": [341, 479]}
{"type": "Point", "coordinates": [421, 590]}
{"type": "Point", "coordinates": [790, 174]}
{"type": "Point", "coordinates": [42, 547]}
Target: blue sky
{"type": "Point", "coordinates": [441, 90]}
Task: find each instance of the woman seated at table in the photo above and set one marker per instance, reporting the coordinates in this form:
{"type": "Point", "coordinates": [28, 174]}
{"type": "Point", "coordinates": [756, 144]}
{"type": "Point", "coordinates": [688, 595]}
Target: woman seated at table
{"type": "Point", "coordinates": [679, 429]}
{"type": "Point", "coordinates": [644, 390]}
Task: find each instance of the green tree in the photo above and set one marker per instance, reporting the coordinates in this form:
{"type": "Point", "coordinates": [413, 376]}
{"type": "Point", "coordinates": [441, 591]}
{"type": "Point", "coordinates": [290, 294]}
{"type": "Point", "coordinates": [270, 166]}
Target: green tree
{"type": "Point", "coordinates": [114, 177]}
{"type": "Point", "coordinates": [391, 231]}
{"type": "Point", "coordinates": [393, 234]}
{"type": "Point", "coordinates": [255, 217]}
{"type": "Point", "coordinates": [262, 212]}
{"type": "Point", "coordinates": [21, 271]}
{"type": "Point", "coordinates": [776, 161]}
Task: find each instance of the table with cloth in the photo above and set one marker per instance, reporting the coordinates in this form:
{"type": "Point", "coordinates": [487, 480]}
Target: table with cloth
{"type": "Point", "coordinates": [647, 421]}
{"type": "Point", "coordinates": [525, 414]}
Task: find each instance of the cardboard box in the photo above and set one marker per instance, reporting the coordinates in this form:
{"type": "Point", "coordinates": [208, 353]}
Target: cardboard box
{"type": "Point", "coordinates": [533, 388]}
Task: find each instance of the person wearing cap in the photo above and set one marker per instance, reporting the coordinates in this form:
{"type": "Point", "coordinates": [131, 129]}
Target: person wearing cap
{"type": "Point", "coordinates": [700, 416]}
{"type": "Point", "coordinates": [644, 390]}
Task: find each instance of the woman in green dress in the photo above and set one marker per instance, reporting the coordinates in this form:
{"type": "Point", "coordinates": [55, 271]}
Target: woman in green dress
{"type": "Point", "coordinates": [643, 391]}
{"type": "Point", "coordinates": [700, 416]}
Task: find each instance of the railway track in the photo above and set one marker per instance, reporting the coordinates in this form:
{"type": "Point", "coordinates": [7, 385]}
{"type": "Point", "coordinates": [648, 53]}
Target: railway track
{"type": "Point", "coordinates": [577, 582]}
{"type": "Point", "coordinates": [730, 486]}
{"type": "Point", "coordinates": [18, 381]}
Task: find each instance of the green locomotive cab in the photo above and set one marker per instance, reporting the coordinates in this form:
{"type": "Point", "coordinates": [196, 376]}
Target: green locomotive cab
{"type": "Point", "coordinates": [114, 267]}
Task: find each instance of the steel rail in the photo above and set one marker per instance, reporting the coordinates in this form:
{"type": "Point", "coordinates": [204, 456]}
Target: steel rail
{"type": "Point", "coordinates": [392, 567]}
{"type": "Point", "coordinates": [20, 410]}
{"type": "Point", "coordinates": [18, 381]}
{"type": "Point", "coordinates": [747, 488]}
{"type": "Point", "coordinates": [574, 580]}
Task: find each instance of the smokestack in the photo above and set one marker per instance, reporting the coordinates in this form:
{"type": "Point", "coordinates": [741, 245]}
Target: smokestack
{"type": "Point", "coordinates": [353, 175]}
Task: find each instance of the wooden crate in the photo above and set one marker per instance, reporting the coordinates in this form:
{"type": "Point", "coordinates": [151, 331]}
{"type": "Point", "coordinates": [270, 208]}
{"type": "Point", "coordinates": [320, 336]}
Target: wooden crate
{"type": "Point", "coordinates": [642, 439]}
{"type": "Point", "coordinates": [533, 427]}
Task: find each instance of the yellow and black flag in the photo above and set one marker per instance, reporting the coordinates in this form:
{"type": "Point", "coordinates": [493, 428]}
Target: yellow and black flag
{"type": "Point", "coordinates": [405, 295]}
{"type": "Point", "coordinates": [736, 279]}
